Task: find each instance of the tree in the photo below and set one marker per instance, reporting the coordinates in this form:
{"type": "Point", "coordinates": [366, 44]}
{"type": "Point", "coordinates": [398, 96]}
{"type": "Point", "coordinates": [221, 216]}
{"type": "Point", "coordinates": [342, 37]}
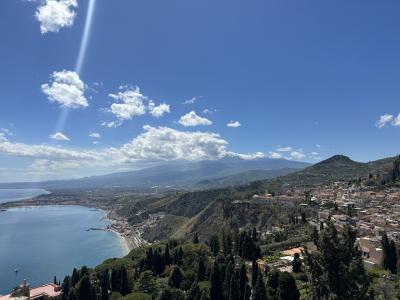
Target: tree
{"type": "Point", "coordinates": [201, 270]}
{"type": "Point", "coordinates": [115, 280]}
{"type": "Point", "coordinates": [195, 238]}
{"type": "Point", "coordinates": [125, 286]}
{"type": "Point", "coordinates": [242, 281]}
{"type": "Point", "coordinates": [273, 283]}
{"type": "Point", "coordinates": [215, 283]}
{"type": "Point", "coordinates": [75, 277]}
{"type": "Point", "coordinates": [389, 260]}
{"type": "Point", "coordinates": [214, 244]}
{"type": "Point", "coordinates": [296, 264]}
{"type": "Point", "coordinates": [105, 285]}
{"type": "Point", "coordinates": [167, 257]}
{"type": "Point", "coordinates": [147, 283]}
{"type": "Point", "coordinates": [175, 278]}
{"type": "Point", "coordinates": [194, 292]}
{"type": "Point", "coordinates": [254, 273]}
{"type": "Point", "coordinates": [393, 256]}
{"type": "Point", "coordinates": [259, 291]}
{"type": "Point", "coordinates": [66, 286]}
{"type": "Point", "coordinates": [336, 269]}
{"type": "Point", "coordinates": [84, 289]}
{"type": "Point", "coordinates": [172, 294]}
{"type": "Point", "coordinates": [303, 218]}
{"type": "Point", "coordinates": [233, 289]}
{"type": "Point", "coordinates": [287, 289]}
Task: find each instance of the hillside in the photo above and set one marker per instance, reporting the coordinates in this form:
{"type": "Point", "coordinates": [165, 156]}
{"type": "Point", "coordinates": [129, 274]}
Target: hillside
{"type": "Point", "coordinates": [205, 209]}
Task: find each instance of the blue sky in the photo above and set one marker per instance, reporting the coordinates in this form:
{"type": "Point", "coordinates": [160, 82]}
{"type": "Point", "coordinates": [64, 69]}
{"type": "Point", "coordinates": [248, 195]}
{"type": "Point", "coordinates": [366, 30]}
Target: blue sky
{"type": "Point", "coordinates": [304, 79]}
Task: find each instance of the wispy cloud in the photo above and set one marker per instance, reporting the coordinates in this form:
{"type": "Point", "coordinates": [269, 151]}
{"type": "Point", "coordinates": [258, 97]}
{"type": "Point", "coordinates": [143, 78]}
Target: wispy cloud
{"type": "Point", "coordinates": [192, 100]}
{"type": "Point", "coordinates": [284, 149]}
{"type": "Point", "coordinates": [95, 135]}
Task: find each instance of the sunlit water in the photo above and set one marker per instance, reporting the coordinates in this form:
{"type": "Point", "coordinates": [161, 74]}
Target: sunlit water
{"type": "Point", "coordinates": [41, 242]}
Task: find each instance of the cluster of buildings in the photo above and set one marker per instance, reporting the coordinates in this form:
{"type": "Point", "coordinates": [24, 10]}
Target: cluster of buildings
{"type": "Point", "coordinates": [367, 210]}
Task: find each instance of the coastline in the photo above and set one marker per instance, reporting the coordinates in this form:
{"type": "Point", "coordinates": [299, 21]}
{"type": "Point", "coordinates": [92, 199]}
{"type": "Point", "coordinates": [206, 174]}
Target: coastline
{"type": "Point", "coordinates": [128, 236]}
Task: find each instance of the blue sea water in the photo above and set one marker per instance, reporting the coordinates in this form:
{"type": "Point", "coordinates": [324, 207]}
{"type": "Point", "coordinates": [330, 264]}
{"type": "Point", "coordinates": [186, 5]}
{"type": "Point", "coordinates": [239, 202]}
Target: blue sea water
{"type": "Point", "coordinates": [42, 242]}
{"type": "Point", "coordinates": [7, 195]}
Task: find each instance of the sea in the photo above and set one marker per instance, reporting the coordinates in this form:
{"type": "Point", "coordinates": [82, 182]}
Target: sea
{"type": "Point", "coordinates": [38, 243]}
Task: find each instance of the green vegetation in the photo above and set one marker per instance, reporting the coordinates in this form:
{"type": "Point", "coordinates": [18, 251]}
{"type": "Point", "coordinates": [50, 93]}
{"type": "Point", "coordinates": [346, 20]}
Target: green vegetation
{"type": "Point", "coordinates": [226, 268]}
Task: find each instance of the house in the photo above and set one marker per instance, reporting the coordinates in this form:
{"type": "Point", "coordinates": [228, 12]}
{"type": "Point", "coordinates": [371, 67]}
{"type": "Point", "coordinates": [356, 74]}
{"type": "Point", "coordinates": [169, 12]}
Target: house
{"type": "Point", "coordinates": [48, 291]}
{"type": "Point", "coordinates": [371, 253]}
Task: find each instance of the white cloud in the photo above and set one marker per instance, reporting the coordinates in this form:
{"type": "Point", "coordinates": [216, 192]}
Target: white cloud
{"type": "Point", "coordinates": [59, 136]}
{"type": "Point", "coordinates": [250, 156]}
{"type": "Point", "coordinates": [159, 110]}
{"type": "Point", "coordinates": [275, 155]}
{"type": "Point", "coordinates": [164, 143]}
{"type": "Point", "coordinates": [383, 120]}
{"type": "Point", "coordinates": [284, 149]}
{"type": "Point", "coordinates": [209, 111]}
{"type": "Point", "coordinates": [153, 145]}
{"type": "Point", "coordinates": [297, 155]}
{"type": "Point", "coordinates": [129, 103]}
{"type": "Point", "coordinates": [396, 121]}
{"type": "Point", "coordinates": [95, 135]}
{"type": "Point", "coordinates": [314, 153]}
{"type": "Point", "coordinates": [318, 145]}
{"type": "Point", "coordinates": [67, 89]}
{"type": "Point", "coordinates": [192, 100]}
{"type": "Point", "coordinates": [192, 119]}
{"type": "Point", "coordinates": [234, 124]}
{"type": "Point", "coordinates": [55, 14]}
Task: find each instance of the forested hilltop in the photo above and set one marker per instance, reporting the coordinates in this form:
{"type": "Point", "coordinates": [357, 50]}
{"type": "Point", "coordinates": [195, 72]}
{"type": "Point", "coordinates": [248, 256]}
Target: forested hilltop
{"type": "Point", "coordinates": [228, 267]}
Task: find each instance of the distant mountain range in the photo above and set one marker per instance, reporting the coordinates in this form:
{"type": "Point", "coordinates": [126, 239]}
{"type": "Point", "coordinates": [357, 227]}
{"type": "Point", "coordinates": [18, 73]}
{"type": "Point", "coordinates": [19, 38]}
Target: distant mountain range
{"type": "Point", "coordinates": [181, 174]}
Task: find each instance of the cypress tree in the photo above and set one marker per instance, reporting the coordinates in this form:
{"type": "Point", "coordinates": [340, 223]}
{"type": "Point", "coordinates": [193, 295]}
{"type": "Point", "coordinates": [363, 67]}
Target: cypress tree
{"type": "Point", "coordinates": [176, 277]}
{"type": "Point", "coordinates": [287, 289]}
{"type": "Point", "coordinates": [66, 286]}
{"type": "Point", "coordinates": [393, 257]}
{"type": "Point", "coordinates": [273, 283]}
{"type": "Point", "coordinates": [214, 244]}
{"type": "Point", "coordinates": [84, 289]}
{"type": "Point", "coordinates": [125, 288]}
{"type": "Point", "coordinates": [242, 281]}
{"type": "Point", "coordinates": [105, 285]}
{"type": "Point", "coordinates": [233, 289]}
{"type": "Point", "coordinates": [201, 270]}
{"type": "Point", "coordinates": [115, 280]}
{"type": "Point", "coordinates": [215, 283]}
{"type": "Point", "coordinates": [195, 238]}
{"type": "Point", "coordinates": [167, 257]}
{"type": "Point", "coordinates": [254, 273]}
{"type": "Point", "coordinates": [75, 277]}
{"type": "Point", "coordinates": [259, 291]}
{"type": "Point", "coordinates": [296, 264]}
{"type": "Point", "coordinates": [387, 254]}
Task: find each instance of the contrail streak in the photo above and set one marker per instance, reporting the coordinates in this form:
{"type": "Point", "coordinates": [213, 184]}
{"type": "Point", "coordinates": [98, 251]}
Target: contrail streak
{"type": "Point", "coordinates": [80, 60]}
{"type": "Point", "coordinates": [85, 36]}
